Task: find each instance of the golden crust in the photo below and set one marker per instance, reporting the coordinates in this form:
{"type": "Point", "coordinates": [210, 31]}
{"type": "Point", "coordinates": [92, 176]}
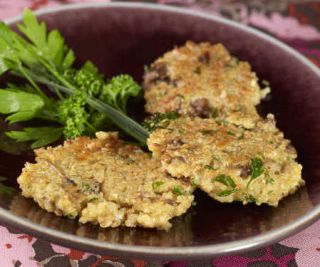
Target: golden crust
{"type": "Point", "coordinates": [198, 79]}
{"type": "Point", "coordinates": [106, 182]}
{"type": "Point", "coordinates": [203, 149]}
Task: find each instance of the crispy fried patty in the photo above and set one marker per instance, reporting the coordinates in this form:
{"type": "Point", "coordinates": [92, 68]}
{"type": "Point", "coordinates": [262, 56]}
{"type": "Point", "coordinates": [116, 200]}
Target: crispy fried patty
{"type": "Point", "coordinates": [202, 80]}
{"type": "Point", "coordinates": [227, 161]}
{"type": "Point", "coordinates": [106, 182]}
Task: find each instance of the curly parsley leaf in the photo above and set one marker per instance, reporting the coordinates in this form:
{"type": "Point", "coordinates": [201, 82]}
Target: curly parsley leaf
{"type": "Point", "coordinates": [72, 111]}
{"type": "Point", "coordinates": [117, 92]}
{"type": "Point", "coordinates": [41, 136]}
{"type": "Point", "coordinates": [86, 79]}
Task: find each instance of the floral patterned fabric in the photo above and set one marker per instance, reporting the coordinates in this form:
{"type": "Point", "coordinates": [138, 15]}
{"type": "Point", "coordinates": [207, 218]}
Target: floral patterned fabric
{"type": "Point", "coordinates": [297, 23]}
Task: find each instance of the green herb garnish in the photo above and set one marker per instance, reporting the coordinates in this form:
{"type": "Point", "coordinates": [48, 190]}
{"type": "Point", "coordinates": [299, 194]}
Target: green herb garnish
{"type": "Point", "coordinates": [257, 169]}
{"type": "Point", "coordinates": [209, 167]}
{"type": "Point", "coordinates": [177, 190]}
{"type": "Point", "coordinates": [194, 183]}
{"type": "Point", "coordinates": [214, 112]}
{"type": "Point", "coordinates": [269, 180]}
{"type": "Point", "coordinates": [227, 192]}
{"type": "Point", "coordinates": [160, 120]}
{"type": "Point", "coordinates": [156, 185]}
{"type": "Point", "coordinates": [70, 216]}
{"type": "Point", "coordinates": [85, 102]}
{"type": "Point", "coordinates": [228, 182]}
{"type": "Point", "coordinates": [251, 198]}
{"type": "Point", "coordinates": [206, 132]}
{"type": "Point", "coordinates": [86, 188]}
{"type": "Point", "coordinates": [240, 137]}
{"type": "Point", "coordinates": [231, 133]}
{"type": "Point", "coordinates": [40, 135]}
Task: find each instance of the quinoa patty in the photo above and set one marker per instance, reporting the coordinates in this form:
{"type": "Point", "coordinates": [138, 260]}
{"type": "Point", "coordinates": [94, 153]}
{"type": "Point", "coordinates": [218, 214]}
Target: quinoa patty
{"type": "Point", "coordinates": [106, 182]}
{"type": "Point", "coordinates": [201, 80]}
{"type": "Point", "coordinates": [227, 161]}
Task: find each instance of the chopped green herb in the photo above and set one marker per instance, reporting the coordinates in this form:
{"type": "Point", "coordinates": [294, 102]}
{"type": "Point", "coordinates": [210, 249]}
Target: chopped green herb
{"type": "Point", "coordinates": [226, 180]}
{"type": "Point", "coordinates": [92, 198]}
{"type": "Point", "coordinates": [227, 192]}
{"type": "Point", "coordinates": [257, 169]}
{"type": "Point", "coordinates": [269, 180]}
{"type": "Point", "coordinates": [209, 167]}
{"type": "Point", "coordinates": [160, 120]}
{"type": "Point", "coordinates": [231, 133]}
{"type": "Point", "coordinates": [156, 185]}
{"type": "Point", "coordinates": [222, 122]}
{"type": "Point", "coordinates": [70, 216]}
{"type": "Point", "coordinates": [194, 183]}
{"type": "Point", "coordinates": [216, 158]}
{"type": "Point", "coordinates": [181, 131]}
{"type": "Point", "coordinates": [252, 198]}
{"type": "Point", "coordinates": [241, 136]}
{"type": "Point", "coordinates": [177, 190]}
{"type": "Point", "coordinates": [206, 132]}
{"type": "Point", "coordinates": [86, 188]}
{"type": "Point", "coordinates": [214, 112]}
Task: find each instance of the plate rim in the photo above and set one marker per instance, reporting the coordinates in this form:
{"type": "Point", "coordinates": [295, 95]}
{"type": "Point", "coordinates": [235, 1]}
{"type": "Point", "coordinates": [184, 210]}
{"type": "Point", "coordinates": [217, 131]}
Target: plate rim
{"type": "Point", "coordinates": [187, 252]}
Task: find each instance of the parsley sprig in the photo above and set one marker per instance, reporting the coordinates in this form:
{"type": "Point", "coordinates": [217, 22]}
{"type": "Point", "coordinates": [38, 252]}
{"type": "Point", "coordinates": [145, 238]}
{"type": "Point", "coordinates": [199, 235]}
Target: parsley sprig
{"type": "Point", "coordinates": [228, 182]}
{"type": "Point", "coordinates": [85, 102]}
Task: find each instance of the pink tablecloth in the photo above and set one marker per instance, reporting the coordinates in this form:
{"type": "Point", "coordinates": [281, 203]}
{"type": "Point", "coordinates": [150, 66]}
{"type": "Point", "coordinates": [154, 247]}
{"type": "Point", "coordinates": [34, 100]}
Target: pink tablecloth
{"type": "Point", "coordinates": [295, 22]}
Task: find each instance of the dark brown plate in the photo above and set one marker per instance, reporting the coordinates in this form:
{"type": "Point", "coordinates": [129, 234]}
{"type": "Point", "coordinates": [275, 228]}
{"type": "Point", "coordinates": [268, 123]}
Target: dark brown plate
{"type": "Point", "coordinates": [122, 38]}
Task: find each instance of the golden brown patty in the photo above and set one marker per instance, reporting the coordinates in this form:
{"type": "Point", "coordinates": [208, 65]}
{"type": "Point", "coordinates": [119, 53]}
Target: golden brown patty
{"type": "Point", "coordinates": [105, 181]}
{"type": "Point", "coordinates": [202, 80]}
{"type": "Point", "coordinates": [229, 162]}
